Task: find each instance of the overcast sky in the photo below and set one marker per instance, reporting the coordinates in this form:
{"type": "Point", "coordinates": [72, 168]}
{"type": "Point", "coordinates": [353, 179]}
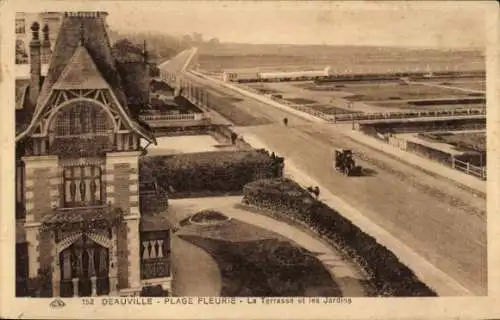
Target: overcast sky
{"type": "Point", "coordinates": [394, 23]}
{"type": "Point", "coordinates": [425, 24]}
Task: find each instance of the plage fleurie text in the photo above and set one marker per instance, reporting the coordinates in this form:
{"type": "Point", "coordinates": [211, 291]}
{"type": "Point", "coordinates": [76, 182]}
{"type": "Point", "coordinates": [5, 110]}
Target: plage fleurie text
{"type": "Point", "coordinates": [144, 301]}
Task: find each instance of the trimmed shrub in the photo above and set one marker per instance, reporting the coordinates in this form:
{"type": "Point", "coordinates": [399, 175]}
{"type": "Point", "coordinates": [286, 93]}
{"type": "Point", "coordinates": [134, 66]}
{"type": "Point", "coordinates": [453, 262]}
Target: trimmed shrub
{"type": "Point", "coordinates": [288, 200]}
{"type": "Point", "coordinates": [214, 172]}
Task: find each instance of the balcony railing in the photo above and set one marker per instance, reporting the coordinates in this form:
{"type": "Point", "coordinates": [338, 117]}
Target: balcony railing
{"type": "Point", "coordinates": [155, 268]}
{"type": "Point", "coordinates": [172, 117]}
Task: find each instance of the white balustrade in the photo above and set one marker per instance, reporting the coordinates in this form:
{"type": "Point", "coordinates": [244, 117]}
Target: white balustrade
{"type": "Point", "coordinates": [145, 255]}
{"type": "Point", "coordinates": [160, 248]}
{"type": "Point", "coordinates": [152, 249]}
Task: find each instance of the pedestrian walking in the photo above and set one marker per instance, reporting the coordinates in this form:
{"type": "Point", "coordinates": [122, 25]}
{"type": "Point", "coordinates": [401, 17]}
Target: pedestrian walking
{"type": "Point", "coordinates": [316, 192]}
{"type": "Point", "coordinates": [285, 121]}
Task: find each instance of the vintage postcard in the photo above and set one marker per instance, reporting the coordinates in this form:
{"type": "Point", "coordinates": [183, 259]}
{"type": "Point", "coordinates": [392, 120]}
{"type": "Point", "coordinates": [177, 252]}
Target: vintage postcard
{"type": "Point", "coordinates": [249, 159]}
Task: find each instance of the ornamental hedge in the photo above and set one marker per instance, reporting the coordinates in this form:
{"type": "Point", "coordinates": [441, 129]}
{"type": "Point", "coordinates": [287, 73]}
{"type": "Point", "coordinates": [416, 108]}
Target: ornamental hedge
{"type": "Point", "coordinates": [210, 172]}
{"type": "Point", "coordinates": [288, 201]}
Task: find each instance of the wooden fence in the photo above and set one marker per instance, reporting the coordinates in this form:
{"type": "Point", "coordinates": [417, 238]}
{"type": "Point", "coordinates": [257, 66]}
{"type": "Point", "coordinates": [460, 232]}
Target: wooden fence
{"type": "Point", "coordinates": [468, 168]}
{"type": "Point", "coordinates": [437, 155]}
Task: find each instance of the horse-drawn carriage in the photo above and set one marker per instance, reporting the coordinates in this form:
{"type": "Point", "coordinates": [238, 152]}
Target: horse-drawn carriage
{"type": "Point", "coordinates": [344, 162]}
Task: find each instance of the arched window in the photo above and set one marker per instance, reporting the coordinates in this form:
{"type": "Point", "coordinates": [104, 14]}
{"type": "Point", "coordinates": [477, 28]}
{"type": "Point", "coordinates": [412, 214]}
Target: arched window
{"type": "Point", "coordinates": [82, 119]}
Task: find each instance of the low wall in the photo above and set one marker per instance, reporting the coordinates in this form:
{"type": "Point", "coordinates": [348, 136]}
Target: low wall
{"type": "Point", "coordinates": [428, 152]}
{"type": "Point", "coordinates": [459, 112]}
{"type": "Point", "coordinates": [422, 125]}
{"type": "Point", "coordinates": [437, 102]}
{"type": "Point", "coordinates": [473, 163]}
{"type": "Point", "coordinates": [219, 132]}
{"type": "Point", "coordinates": [397, 75]}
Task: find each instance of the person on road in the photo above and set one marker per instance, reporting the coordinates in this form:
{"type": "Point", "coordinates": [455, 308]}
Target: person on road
{"type": "Point", "coordinates": [285, 121]}
{"type": "Point", "coordinates": [316, 192]}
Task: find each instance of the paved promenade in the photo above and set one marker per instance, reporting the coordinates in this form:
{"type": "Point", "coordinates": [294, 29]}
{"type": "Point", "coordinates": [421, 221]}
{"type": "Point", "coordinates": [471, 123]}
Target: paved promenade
{"type": "Point", "coordinates": [431, 275]}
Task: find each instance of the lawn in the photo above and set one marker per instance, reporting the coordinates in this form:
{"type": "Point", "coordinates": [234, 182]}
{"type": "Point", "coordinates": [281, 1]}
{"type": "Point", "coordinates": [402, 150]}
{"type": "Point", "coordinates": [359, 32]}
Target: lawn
{"type": "Point", "coordinates": [474, 85]}
{"type": "Point", "coordinates": [329, 109]}
{"type": "Point", "coordinates": [257, 262]}
{"type": "Point", "coordinates": [267, 268]}
{"type": "Point", "coordinates": [399, 92]}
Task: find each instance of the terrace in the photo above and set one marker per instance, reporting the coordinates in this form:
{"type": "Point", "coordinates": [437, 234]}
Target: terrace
{"type": "Point", "coordinates": [185, 144]}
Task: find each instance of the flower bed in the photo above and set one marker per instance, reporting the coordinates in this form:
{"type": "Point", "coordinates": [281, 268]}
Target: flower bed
{"type": "Point", "coordinates": [213, 172]}
{"type": "Point", "coordinates": [389, 276]}
{"type": "Point", "coordinates": [208, 217]}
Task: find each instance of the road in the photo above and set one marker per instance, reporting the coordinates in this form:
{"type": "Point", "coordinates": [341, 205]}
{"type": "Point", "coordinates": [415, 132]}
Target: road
{"type": "Point", "coordinates": [443, 223]}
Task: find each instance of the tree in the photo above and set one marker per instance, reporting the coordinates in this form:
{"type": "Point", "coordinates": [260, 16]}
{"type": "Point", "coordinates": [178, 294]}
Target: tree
{"type": "Point", "coordinates": [21, 55]}
{"type": "Point", "coordinates": [124, 49]}
{"type": "Point", "coordinates": [197, 38]}
{"type": "Point", "coordinates": [213, 42]}
{"type": "Point", "coordinates": [186, 41]}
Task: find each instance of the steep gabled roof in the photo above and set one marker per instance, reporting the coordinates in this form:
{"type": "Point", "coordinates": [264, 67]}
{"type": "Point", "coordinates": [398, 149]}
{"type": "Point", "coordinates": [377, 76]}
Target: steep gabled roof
{"type": "Point", "coordinates": [97, 44]}
{"type": "Point", "coordinates": [81, 73]}
{"type": "Point", "coordinates": [88, 29]}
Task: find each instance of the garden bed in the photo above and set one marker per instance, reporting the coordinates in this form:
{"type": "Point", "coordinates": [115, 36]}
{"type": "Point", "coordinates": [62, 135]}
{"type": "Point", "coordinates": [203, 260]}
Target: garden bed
{"type": "Point", "coordinates": [208, 217]}
{"type": "Point", "coordinates": [300, 100]}
{"type": "Point", "coordinates": [267, 267]}
{"type": "Point", "coordinates": [389, 276]}
{"type": "Point", "coordinates": [400, 92]}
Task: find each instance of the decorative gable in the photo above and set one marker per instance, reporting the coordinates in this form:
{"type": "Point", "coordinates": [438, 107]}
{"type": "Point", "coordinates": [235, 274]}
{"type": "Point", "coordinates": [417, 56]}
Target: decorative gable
{"type": "Point", "coordinates": [81, 73]}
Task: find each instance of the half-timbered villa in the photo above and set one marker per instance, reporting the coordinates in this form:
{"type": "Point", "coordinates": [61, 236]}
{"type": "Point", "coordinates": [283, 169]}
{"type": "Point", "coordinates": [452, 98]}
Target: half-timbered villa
{"type": "Point", "coordinates": [80, 228]}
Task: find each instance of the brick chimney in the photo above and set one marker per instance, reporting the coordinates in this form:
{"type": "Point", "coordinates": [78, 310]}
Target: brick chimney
{"type": "Point", "coordinates": [46, 52]}
{"type": "Point", "coordinates": [35, 64]}
{"type": "Point", "coordinates": [145, 55]}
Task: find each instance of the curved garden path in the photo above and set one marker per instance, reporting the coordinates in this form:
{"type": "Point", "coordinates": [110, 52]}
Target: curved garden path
{"type": "Point", "coordinates": [346, 274]}
{"type": "Point", "coordinates": [195, 272]}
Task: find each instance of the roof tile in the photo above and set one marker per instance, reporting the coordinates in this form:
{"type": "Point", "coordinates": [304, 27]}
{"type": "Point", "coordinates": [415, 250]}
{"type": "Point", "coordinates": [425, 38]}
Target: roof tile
{"type": "Point", "coordinates": [81, 73]}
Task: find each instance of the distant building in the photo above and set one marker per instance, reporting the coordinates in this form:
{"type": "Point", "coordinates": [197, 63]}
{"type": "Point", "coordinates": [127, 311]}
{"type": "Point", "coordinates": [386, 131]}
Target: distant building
{"type": "Point", "coordinates": [23, 22]}
{"type": "Point", "coordinates": [83, 228]}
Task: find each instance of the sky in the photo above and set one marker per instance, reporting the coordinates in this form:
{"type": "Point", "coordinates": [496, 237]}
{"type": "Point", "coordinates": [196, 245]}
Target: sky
{"type": "Point", "coordinates": [437, 24]}
{"type": "Point", "coordinates": [423, 24]}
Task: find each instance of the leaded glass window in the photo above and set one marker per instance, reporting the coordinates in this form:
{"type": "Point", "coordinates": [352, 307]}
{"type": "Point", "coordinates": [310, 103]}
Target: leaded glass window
{"type": "Point", "coordinates": [82, 119]}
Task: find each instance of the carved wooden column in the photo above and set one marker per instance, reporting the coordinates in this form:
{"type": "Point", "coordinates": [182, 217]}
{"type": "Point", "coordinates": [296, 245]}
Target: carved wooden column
{"type": "Point", "coordinates": [75, 287]}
